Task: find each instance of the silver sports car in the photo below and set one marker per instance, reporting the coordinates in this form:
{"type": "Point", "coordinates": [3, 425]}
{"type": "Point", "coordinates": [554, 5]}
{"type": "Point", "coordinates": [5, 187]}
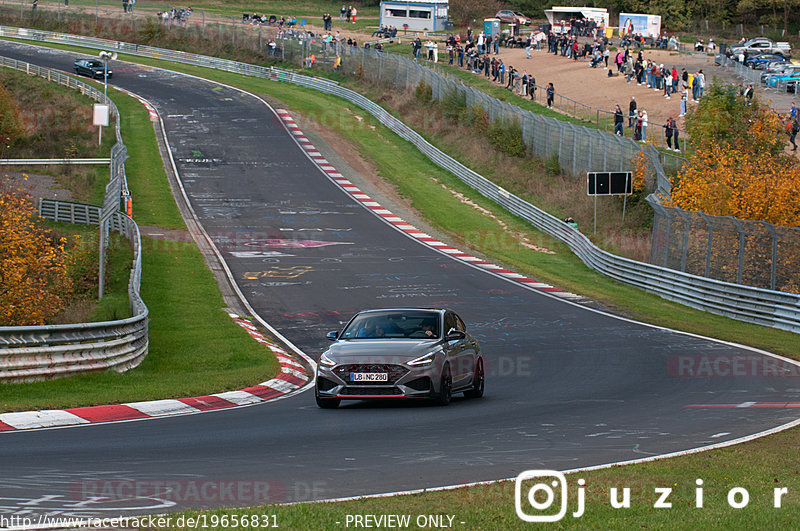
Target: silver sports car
{"type": "Point", "coordinates": [400, 353]}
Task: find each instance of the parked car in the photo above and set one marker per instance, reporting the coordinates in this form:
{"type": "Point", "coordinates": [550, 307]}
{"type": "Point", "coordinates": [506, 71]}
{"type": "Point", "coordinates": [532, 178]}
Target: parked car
{"type": "Point", "coordinates": [759, 62]}
{"type": "Point", "coordinates": [400, 353]}
{"type": "Point", "coordinates": [782, 69]}
{"type": "Point", "coordinates": [512, 17]}
{"type": "Point", "coordinates": [789, 81]}
{"type": "Point", "coordinates": [92, 68]}
{"type": "Point", "coordinates": [757, 46]}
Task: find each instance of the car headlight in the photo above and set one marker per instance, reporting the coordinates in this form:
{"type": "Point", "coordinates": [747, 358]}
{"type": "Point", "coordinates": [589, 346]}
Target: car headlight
{"type": "Point", "coordinates": [427, 359]}
{"type": "Point", "coordinates": [325, 361]}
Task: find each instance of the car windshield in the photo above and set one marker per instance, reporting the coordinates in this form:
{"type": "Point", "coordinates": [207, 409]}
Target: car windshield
{"type": "Point", "coordinates": [394, 324]}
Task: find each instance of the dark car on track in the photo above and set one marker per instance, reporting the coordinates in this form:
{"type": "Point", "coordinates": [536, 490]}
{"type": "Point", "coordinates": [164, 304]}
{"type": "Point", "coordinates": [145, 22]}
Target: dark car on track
{"type": "Point", "coordinates": [400, 353]}
{"type": "Point", "coordinates": [91, 68]}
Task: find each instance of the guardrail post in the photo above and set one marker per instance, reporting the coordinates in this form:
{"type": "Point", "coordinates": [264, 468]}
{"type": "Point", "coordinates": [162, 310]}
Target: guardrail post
{"type": "Point", "coordinates": [740, 261]}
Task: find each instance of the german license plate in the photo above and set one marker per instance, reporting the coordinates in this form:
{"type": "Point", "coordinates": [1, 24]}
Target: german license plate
{"type": "Point", "coordinates": [369, 377]}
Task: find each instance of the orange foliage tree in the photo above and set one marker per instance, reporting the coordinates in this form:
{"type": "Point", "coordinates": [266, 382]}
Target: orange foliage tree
{"type": "Point", "coordinates": [33, 264]}
{"type": "Point", "coordinates": [739, 167]}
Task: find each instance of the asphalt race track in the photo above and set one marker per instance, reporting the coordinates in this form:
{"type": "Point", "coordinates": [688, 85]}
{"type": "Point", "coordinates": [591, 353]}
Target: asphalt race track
{"type": "Point", "coordinates": [566, 386]}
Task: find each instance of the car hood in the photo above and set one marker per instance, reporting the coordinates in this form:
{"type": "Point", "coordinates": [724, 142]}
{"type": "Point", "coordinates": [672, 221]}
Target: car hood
{"type": "Point", "coordinates": [393, 351]}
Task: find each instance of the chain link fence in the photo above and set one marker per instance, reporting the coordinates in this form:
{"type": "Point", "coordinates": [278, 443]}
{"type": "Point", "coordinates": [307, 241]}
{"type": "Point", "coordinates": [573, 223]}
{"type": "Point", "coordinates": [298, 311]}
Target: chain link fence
{"type": "Point", "coordinates": [755, 253]}
{"type": "Point", "coordinates": [577, 148]}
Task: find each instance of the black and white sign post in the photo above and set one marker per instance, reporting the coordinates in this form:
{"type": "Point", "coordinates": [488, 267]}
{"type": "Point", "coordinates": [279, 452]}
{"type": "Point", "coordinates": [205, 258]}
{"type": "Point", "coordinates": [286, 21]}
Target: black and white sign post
{"type": "Point", "coordinates": [609, 183]}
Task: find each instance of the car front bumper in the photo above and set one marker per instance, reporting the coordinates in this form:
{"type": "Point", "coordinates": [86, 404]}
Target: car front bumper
{"type": "Point", "coordinates": [402, 382]}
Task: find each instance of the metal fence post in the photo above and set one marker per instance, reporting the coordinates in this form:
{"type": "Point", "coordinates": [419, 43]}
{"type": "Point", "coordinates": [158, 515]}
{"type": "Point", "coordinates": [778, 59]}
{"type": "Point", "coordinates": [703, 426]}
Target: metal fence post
{"type": "Point", "coordinates": [774, 254]}
{"type": "Point", "coordinates": [740, 261]}
{"type": "Point", "coordinates": [709, 243]}
{"type": "Point", "coordinates": [685, 246]}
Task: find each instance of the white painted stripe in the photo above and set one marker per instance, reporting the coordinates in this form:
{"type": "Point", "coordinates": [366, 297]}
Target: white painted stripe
{"type": "Point", "coordinates": [406, 226]}
{"type": "Point", "coordinates": [746, 404]}
{"type": "Point", "coordinates": [313, 152]}
{"type": "Point", "coordinates": [293, 372]}
{"type": "Point", "coordinates": [721, 434]}
{"type": "Point", "coordinates": [512, 275]}
{"type": "Point", "coordinates": [467, 258]}
{"type": "Point", "coordinates": [419, 234]}
{"type": "Point", "coordinates": [156, 408]}
{"type": "Point", "coordinates": [393, 219]}
{"type": "Point", "coordinates": [361, 196]}
{"type": "Point", "coordinates": [438, 244]}
{"type": "Point", "coordinates": [370, 203]}
{"type": "Point", "coordinates": [289, 361]}
{"type": "Point", "coordinates": [24, 420]}
{"type": "Point", "coordinates": [567, 295]}
{"type": "Point", "coordinates": [383, 212]}
{"type": "Point", "coordinates": [450, 250]}
{"type": "Point", "coordinates": [280, 385]}
{"type": "Point", "coordinates": [240, 398]}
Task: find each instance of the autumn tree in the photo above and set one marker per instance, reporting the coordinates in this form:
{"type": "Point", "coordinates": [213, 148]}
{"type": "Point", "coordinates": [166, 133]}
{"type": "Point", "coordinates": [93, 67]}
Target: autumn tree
{"type": "Point", "coordinates": [33, 277]}
{"type": "Point", "coordinates": [738, 167]}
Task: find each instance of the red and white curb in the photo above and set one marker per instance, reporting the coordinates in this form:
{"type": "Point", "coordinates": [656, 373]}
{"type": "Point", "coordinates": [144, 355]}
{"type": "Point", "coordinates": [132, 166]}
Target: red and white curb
{"type": "Point", "coordinates": [150, 109]}
{"type": "Point", "coordinates": [292, 377]}
{"type": "Point", "coordinates": [402, 225]}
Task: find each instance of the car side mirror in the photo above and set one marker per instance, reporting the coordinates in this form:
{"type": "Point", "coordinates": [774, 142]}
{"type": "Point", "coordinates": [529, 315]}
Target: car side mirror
{"type": "Point", "coordinates": [454, 334]}
{"type": "Point", "coordinates": [332, 336]}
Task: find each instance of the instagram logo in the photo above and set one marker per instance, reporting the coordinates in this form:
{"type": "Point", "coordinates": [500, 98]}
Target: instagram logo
{"type": "Point", "coordinates": [534, 493]}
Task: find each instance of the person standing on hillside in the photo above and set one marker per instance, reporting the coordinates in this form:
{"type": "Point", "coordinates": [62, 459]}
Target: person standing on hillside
{"type": "Point", "coordinates": [619, 120]}
{"type": "Point", "coordinates": [675, 133]}
{"type": "Point", "coordinates": [668, 132]}
{"type": "Point", "coordinates": [793, 127]}
{"type": "Point", "coordinates": [631, 111]}
{"type": "Point", "coordinates": [551, 94]}
{"type": "Point", "coordinates": [643, 118]}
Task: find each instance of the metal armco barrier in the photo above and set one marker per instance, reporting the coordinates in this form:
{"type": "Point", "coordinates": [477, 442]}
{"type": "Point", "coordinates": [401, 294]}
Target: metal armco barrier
{"type": "Point", "coordinates": [755, 305]}
{"type": "Point", "coordinates": [29, 353]}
